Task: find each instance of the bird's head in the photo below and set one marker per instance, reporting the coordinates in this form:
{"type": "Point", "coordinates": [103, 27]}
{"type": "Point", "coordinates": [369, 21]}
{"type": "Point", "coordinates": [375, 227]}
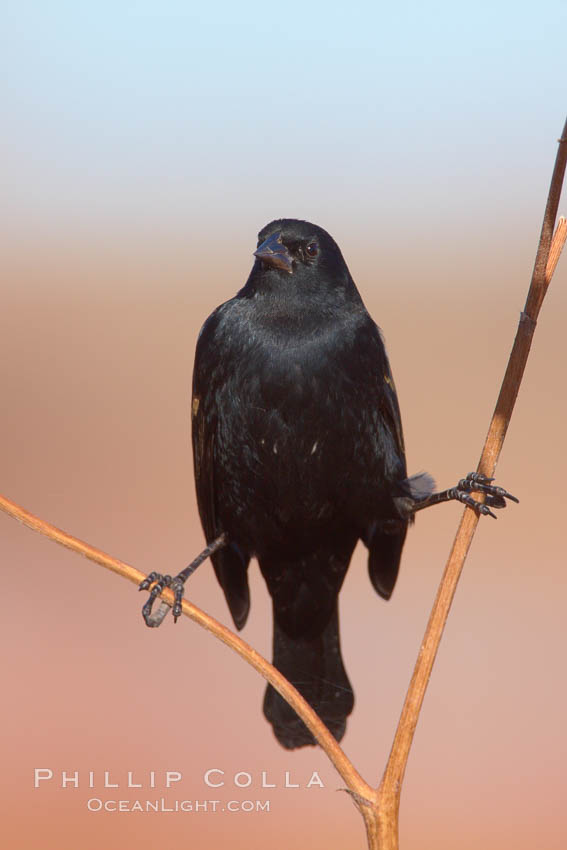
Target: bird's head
{"type": "Point", "coordinates": [294, 254]}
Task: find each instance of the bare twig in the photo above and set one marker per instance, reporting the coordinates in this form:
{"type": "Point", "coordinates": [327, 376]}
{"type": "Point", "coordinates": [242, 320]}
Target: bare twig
{"type": "Point", "coordinates": [362, 793]}
{"type": "Point", "coordinates": [380, 808]}
{"type": "Point", "coordinates": [382, 822]}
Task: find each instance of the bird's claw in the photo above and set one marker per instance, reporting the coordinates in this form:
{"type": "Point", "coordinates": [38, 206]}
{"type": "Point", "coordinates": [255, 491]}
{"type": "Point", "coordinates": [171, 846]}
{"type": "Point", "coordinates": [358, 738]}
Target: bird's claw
{"type": "Point", "coordinates": [494, 496]}
{"type": "Point", "coordinates": [177, 585]}
{"type": "Point", "coordinates": [160, 582]}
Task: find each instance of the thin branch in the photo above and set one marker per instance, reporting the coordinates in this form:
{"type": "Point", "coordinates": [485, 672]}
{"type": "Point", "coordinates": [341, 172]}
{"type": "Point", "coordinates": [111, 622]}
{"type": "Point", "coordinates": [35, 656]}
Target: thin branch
{"type": "Point", "coordinates": [380, 808]}
{"type": "Point", "coordinates": [362, 793]}
{"type": "Point", "coordinates": [382, 824]}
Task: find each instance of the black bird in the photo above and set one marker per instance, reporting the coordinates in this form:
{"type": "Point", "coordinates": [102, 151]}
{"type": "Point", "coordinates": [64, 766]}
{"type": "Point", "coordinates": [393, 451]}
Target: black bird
{"type": "Point", "coordinates": [299, 453]}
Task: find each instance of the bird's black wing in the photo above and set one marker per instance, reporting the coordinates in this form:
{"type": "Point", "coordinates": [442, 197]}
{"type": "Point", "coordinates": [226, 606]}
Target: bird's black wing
{"type": "Point", "coordinates": [390, 410]}
{"type": "Point", "coordinates": [230, 563]}
{"type": "Point", "coordinates": [387, 534]}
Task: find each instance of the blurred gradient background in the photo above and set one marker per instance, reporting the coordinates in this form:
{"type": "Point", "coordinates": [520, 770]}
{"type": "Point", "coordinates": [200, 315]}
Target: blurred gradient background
{"type": "Point", "coordinates": [144, 145]}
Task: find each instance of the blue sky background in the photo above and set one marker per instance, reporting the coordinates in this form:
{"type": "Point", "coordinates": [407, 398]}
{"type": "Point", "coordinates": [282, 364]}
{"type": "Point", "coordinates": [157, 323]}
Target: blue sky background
{"type": "Point", "coordinates": [188, 118]}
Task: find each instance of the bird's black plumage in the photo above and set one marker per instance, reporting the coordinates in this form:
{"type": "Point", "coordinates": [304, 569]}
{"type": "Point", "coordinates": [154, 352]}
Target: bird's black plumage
{"type": "Point", "coordinates": [299, 453]}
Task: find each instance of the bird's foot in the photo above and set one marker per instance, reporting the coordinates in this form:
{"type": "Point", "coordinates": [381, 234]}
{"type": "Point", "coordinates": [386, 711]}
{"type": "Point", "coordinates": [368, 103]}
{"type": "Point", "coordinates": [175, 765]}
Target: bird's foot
{"type": "Point", "coordinates": [176, 584]}
{"type": "Point", "coordinates": [494, 497]}
{"type": "Point", "coordinates": [159, 582]}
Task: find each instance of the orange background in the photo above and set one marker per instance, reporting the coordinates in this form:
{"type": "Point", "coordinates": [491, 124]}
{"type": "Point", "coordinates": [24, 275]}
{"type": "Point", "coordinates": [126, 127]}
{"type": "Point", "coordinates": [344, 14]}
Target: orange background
{"type": "Point", "coordinates": [113, 258]}
{"type": "Point", "coordinates": [96, 359]}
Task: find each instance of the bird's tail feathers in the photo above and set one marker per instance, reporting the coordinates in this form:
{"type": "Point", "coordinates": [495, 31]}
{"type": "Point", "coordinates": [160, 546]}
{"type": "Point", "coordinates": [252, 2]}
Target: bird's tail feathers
{"type": "Point", "coordinates": [315, 667]}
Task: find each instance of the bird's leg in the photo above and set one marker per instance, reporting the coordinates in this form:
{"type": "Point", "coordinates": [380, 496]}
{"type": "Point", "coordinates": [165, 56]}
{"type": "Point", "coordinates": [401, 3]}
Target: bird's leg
{"type": "Point", "coordinates": [475, 482]}
{"type": "Point", "coordinates": [176, 584]}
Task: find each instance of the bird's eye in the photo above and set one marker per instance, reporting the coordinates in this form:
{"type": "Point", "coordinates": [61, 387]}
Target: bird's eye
{"type": "Point", "coordinates": [312, 249]}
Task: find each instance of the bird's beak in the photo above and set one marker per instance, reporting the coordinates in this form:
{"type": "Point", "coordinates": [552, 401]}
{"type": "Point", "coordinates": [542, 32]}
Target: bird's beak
{"type": "Point", "coordinates": [274, 253]}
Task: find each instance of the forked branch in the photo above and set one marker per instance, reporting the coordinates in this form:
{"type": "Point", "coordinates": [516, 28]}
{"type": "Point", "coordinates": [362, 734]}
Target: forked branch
{"type": "Point", "coordinates": [380, 808]}
{"type": "Point", "coordinates": [382, 822]}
